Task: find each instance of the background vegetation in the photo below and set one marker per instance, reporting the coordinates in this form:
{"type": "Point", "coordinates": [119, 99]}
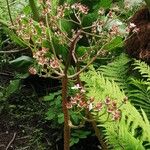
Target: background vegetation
{"type": "Point", "coordinates": [104, 92]}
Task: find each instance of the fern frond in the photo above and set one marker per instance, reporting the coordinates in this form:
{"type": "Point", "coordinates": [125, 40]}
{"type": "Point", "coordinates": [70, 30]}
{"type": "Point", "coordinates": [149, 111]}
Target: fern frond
{"type": "Point", "coordinates": [117, 70]}
{"type": "Point", "coordinates": [143, 68]}
{"type": "Point", "coordinates": [139, 93]}
{"type": "Point", "coordinates": [132, 131]}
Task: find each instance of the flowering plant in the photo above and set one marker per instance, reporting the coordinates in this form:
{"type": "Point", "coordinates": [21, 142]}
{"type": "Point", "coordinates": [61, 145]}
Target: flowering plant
{"type": "Point", "coordinates": [65, 40]}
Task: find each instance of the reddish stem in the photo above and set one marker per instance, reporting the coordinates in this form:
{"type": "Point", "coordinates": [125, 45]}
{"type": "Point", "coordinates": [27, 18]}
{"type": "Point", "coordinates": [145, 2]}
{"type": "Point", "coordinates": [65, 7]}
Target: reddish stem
{"type": "Point", "coordinates": [66, 114]}
{"type": "Point", "coordinates": [64, 92]}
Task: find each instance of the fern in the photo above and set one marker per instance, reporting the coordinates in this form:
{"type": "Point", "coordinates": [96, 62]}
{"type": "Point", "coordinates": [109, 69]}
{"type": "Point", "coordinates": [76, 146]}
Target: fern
{"type": "Point", "coordinates": [117, 70]}
{"type": "Point", "coordinates": [124, 133]}
{"type": "Point", "coordinates": [144, 70]}
{"type": "Point", "coordinates": [136, 89]}
{"type": "Point", "coordinates": [139, 93]}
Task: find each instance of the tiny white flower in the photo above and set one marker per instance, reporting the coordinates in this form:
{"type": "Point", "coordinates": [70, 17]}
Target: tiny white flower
{"type": "Point", "coordinates": [132, 25]}
{"type": "Point", "coordinates": [76, 87]}
{"type": "Point", "coordinates": [22, 16]}
{"type": "Point", "coordinates": [90, 106]}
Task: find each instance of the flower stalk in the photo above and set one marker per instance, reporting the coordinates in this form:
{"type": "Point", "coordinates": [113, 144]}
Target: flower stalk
{"type": "Point", "coordinates": [64, 93]}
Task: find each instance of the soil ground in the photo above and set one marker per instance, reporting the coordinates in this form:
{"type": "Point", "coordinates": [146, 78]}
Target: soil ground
{"type": "Point", "coordinates": [22, 117]}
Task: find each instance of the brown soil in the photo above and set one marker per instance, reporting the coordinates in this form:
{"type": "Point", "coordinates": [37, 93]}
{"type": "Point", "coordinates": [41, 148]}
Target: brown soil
{"type": "Point", "coordinates": [138, 44]}
{"type": "Point", "coordinates": [22, 120]}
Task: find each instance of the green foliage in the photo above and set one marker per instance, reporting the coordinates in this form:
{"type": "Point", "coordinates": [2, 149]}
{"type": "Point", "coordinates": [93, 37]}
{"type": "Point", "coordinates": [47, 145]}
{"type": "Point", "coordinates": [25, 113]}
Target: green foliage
{"type": "Point", "coordinates": [53, 38]}
{"type": "Point", "coordinates": [116, 42]}
{"type": "Point", "coordinates": [77, 135]}
{"type": "Point", "coordinates": [144, 70]}
{"type": "Point", "coordinates": [22, 63]}
{"type": "Point", "coordinates": [137, 89]}
{"type": "Point", "coordinates": [132, 131]}
{"type": "Point", "coordinates": [15, 7]}
{"type": "Point", "coordinates": [117, 70]}
{"type": "Point", "coordinates": [140, 91]}
{"type": "Point", "coordinates": [105, 3]}
{"type": "Point", "coordinates": [54, 112]}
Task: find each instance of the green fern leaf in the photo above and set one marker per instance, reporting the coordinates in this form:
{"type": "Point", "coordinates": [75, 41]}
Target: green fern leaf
{"type": "Point", "coordinates": [132, 131]}
{"type": "Point", "coordinates": [117, 70]}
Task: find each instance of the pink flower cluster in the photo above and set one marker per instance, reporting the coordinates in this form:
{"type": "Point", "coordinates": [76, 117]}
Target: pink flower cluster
{"type": "Point", "coordinates": [61, 10]}
{"type": "Point", "coordinates": [79, 101]}
{"type": "Point", "coordinates": [112, 108]}
{"type": "Point", "coordinates": [114, 30]}
{"type": "Point", "coordinates": [81, 8]}
{"type": "Point", "coordinates": [43, 60]}
{"type": "Point", "coordinates": [40, 56]}
{"type": "Point", "coordinates": [132, 28]}
{"type": "Point", "coordinates": [32, 70]}
{"type": "Point", "coordinates": [109, 105]}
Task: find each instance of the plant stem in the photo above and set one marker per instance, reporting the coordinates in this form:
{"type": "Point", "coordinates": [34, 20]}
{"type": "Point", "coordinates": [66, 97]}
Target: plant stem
{"type": "Point", "coordinates": [66, 113]}
{"type": "Point", "coordinates": [9, 12]}
{"type": "Point", "coordinates": [97, 132]}
{"type": "Point", "coordinates": [34, 9]}
{"type": "Point", "coordinates": [64, 92]}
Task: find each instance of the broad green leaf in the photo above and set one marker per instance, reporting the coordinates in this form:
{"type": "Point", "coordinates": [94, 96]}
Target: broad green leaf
{"type": "Point", "coordinates": [116, 42]}
{"type": "Point", "coordinates": [49, 97]}
{"type": "Point", "coordinates": [23, 61]}
{"type": "Point", "coordinates": [81, 50]}
{"type": "Point", "coordinates": [105, 3]}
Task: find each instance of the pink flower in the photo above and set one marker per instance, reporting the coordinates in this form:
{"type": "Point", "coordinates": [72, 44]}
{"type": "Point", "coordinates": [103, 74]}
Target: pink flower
{"type": "Point", "coordinates": [78, 97]}
{"type": "Point", "coordinates": [69, 105]}
{"type": "Point", "coordinates": [32, 70]}
{"type": "Point", "coordinates": [73, 101]}
{"type": "Point", "coordinates": [135, 30]}
{"type": "Point", "coordinates": [44, 50]}
{"type": "Point", "coordinates": [114, 30]}
{"type": "Point", "coordinates": [54, 63]}
{"type": "Point", "coordinates": [114, 105]}
{"type": "Point", "coordinates": [107, 101]}
{"type": "Point", "coordinates": [82, 8]}
{"type": "Point", "coordinates": [116, 115]}
{"type": "Point", "coordinates": [110, 109]}
{"type": "Point", "coordinates": [99, 106]}
{"type": "Point", "coordinates": [82, 104]}
{"type": "Point", "coordinates": [110, 14]}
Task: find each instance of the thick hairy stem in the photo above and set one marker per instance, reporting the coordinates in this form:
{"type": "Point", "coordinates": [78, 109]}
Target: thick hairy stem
{"type": "Point", "coordinates": [97, 132]}
{"type": "Point", "coordinates": [34, 9]}
{"type": "Point", "coordinates": [9, 12]}
{"type": "Point", "coordinates": [64, 92]}
{"type": "Point", "coordinates": [66, 114]}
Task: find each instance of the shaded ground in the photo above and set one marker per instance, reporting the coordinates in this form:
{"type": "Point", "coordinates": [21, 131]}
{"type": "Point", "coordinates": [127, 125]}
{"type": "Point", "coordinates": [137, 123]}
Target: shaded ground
{"type": "Point", "coordinates": [22, 114]}
{"type": "Point", "coordinates": [22, 118]}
